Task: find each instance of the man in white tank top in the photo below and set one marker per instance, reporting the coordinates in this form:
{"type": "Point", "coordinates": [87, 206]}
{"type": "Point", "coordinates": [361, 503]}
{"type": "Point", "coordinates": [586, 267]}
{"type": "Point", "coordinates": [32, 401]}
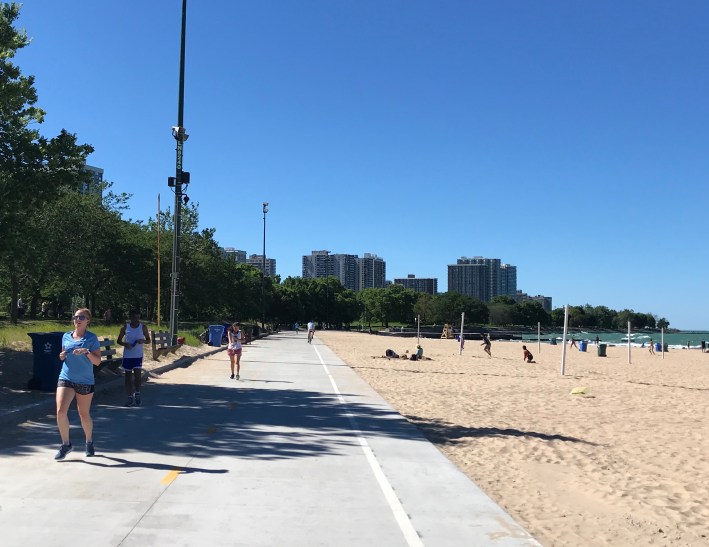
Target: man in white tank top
{"type": "Point", "coordinates": [132, 337]}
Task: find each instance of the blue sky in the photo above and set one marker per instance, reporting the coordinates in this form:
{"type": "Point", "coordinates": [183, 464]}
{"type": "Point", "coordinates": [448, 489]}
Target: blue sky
{"type": "Point", "coordinates": [570, 139]}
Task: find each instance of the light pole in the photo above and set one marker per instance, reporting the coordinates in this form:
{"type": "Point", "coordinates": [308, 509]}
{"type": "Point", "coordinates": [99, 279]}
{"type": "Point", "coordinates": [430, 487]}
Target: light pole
{"type": "Point", "coordinates": [181, 177]}
{"type": "Point", "coordinates": [263, 276]}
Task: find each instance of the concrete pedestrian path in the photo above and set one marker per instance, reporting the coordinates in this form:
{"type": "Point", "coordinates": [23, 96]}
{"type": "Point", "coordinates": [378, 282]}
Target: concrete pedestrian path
{"type": "Point", "coordinates": [299, 452]}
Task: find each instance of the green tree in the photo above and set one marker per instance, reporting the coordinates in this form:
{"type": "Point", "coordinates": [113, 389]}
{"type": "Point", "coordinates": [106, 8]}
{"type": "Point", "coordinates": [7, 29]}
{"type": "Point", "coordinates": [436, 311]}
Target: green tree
{"type": "Point", "coordinates": [450, 305]}
{"type": "Point", "coordinates": [33, 169]}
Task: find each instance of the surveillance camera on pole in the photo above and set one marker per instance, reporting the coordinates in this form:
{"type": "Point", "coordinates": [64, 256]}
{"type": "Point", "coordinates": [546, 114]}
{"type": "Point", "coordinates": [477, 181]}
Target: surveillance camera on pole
{"type": "Point", "coordinates": [180, 133]}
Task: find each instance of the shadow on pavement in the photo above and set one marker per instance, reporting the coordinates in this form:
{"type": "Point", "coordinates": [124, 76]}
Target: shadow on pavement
{"type": "Point", "coordinates": [212, 421]}
{"type": "Point", "coordinates": [121, 463]}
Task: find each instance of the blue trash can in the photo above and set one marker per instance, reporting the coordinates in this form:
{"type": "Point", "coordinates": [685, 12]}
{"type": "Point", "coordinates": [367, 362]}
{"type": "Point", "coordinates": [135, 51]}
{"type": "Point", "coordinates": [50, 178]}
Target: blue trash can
{"type": "Point", "coordinates": [582, 345]}
{"type": "Point", "coordinates": [46, 347]}
{"type": "Point", "coordinates": [215, 335]}
{"type": "Point", "coordinates": [658, 347]}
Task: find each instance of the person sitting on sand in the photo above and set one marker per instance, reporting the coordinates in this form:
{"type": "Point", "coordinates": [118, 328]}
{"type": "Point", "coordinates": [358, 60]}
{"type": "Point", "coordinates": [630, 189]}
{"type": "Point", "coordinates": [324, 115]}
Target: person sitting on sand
{"type": "Point", "coordinates": [391, 354]}
{"type": "Point", "coordinates": [419, 353]}
{"type": "Point", "coordinates": [528, 357]}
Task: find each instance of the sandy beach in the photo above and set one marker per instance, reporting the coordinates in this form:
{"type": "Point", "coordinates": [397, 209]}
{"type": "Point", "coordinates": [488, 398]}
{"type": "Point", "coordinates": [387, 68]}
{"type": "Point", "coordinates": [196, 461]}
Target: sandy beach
{"type": "Point", "coordinates": [626, 463]}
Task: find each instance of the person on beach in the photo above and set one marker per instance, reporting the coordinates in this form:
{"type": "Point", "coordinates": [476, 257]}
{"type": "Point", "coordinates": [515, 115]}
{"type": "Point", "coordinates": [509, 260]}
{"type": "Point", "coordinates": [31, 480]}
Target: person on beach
{"type": "Point", "coordinates": [652, 347]}
{"type": "Point", "coordinates": [527, 356]}
{"type": "Point", "coordinates": [311, 331]}
{"type": "Point", "coordinates": [234, 337]}
{"type": "Point", "coordinates": [487, 344]}
{"type": "Point", "coordinates": [573, 343]}
{"type": "Point", "coordinates": [133, 336]}
{"type": "Point", "coordinates": [391, 354]}
{"type": "Point", "coordinates": [81, 352]}
{"type": "Point", "coordinates": [598, 340]}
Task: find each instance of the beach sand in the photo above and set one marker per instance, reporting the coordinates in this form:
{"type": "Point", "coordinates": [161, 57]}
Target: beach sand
{"type": "Point", "coordinates": [625, 464]}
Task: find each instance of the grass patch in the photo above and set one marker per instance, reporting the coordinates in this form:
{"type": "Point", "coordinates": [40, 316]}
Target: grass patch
{"type": "Point", "coordinates": [15, 336]}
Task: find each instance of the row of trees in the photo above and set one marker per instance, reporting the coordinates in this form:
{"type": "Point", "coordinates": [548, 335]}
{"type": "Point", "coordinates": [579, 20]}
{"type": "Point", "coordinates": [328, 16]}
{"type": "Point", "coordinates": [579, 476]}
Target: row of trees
{"type": "Point", "coordinates": [66, 247]}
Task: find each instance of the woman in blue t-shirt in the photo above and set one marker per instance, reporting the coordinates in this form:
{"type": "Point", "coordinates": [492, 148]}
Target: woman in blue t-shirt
{"type": "Point", "coordinates": [81, 352]}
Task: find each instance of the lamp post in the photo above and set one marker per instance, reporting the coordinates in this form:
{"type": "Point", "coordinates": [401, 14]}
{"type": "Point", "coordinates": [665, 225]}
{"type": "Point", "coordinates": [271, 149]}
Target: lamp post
{"type": "Point", "coordinates": [180, 135]}
{"type": "Point", "coordinates": [263, 276]}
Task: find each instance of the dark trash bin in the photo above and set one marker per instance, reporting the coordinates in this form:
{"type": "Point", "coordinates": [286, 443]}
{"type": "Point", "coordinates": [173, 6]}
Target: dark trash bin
{"type": "Point", "coordinates": [602, 350]}
{"type": "Point", "coordinates": [552, 341]}
{"type": "Point", "coordinates": [215, 335]}
{"type": "Point", "coordinates": [255, 332]}
{"type": "Point", "coordinates": [665, 348]}
{"type": "Point", "coordinates": [46, 347]}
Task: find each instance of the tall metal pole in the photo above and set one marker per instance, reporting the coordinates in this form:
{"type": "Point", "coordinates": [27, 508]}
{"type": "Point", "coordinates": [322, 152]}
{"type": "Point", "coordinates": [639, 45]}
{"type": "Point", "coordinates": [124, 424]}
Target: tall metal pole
{"type": "Point", "coordinates": [180, 137]}
{"type": "Point", "coordinates": [263, 276]}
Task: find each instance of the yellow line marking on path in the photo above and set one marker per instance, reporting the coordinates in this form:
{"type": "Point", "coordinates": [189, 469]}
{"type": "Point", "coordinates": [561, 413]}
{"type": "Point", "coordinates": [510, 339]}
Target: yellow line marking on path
{"type": "Point", "coordinates": [171, 476]}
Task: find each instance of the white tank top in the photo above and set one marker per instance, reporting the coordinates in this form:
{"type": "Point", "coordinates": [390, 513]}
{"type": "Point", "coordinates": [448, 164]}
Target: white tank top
{"type": "Point", "coordinates": [132, 335]}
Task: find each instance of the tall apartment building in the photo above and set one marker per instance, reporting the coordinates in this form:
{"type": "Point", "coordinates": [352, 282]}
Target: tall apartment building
{"type": "Point", "coordinates": [236, 255]}
{"type": "Point", "coordinates": [508, 280]}
{"type": "Point", "coordinates": [346, 269]}
{"type": "Point", "coordinates": [482, 278]}
{"type": "Point", "coordinates": [318, 264]}
{"type": "Point", "coordinates": [372, 272]}
{"type": "Point", "coordinates": [257, 262]}
{"type": "Point", "coordinates": [421, 284]}
{"type": "Point", "coordinates": [93, 187]}
{"type": "Point", "coordinates": [353, 272]}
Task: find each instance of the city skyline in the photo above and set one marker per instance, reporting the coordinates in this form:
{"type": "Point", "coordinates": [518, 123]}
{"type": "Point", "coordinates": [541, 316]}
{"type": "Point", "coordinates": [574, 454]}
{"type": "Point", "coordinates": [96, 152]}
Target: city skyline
{"type": "Point", "coordinates": [566, 137]}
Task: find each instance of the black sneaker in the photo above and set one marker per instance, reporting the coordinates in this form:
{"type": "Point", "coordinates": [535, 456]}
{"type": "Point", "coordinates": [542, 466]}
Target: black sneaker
{"type": "Point", "coordinates": [231, 377]}
{"type": "Point", "coordinates": [130, 401]}
{"type": "Point", "coordinates": [64, 449]}
{"type": "Point", "coordinates": [136, 398]}
{"type": "Point", "coordinates": [90, 448]}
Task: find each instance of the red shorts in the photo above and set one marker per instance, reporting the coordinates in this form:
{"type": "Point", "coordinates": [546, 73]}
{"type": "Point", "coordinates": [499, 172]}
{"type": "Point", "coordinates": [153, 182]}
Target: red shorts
{"type": "Point", "coordinates": [231, 352]}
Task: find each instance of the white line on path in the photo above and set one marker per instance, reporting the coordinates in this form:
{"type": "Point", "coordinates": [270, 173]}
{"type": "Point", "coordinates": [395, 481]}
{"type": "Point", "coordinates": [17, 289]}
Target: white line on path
{"type": "Point", "coordinates": [402, 519]}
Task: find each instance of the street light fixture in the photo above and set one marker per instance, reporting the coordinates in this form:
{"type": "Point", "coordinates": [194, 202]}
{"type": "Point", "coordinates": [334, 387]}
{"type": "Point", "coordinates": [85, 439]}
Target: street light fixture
{"type": "Point", "coordinates": [263, 273]}
{"type": "Point", "coordinates": [181, 177]}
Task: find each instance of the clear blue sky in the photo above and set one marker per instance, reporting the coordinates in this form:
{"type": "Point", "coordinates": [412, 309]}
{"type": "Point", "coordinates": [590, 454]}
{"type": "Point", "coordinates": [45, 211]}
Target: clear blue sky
{"type": "Point", "coordinates": [570, 139]}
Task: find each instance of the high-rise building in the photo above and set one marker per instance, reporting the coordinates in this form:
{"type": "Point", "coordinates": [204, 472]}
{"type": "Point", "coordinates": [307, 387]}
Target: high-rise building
{"type": "Point", "coordinates": [93, 187]}
{"type": "Point", "coordinates": [482, 278]}
{"type": "Point", "coordinates": [318, 264]}
{"type": "Point", "coordinates": [345, 267]}
{"type": "Point", "coordinates": [508, 280]}
{"type": "Point", "coordinates": [372, 272]}
{"type": "Point", "coordinates": [353, 272]}
{"type": "Point", "coordinates": [236, 255]}
{"type": "Point", "coordinates": [421, 284]}
{"type": "Point", "coordinates": [257, 262]}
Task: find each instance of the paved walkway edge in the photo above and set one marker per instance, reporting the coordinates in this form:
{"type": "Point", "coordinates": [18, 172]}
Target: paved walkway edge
{"type": "Point", "coordinates": [27, 412]}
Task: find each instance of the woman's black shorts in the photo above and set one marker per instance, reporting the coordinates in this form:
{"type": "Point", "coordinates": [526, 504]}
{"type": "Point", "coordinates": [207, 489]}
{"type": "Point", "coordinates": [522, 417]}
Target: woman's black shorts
{"type": "Point", "coordinates": [81, 389]}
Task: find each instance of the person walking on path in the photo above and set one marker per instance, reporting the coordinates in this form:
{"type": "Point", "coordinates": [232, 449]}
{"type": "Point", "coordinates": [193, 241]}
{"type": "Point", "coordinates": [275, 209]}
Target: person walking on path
{"type": "Point", "coordinates": [234, 348]}
{"type": "Point", "coordinates": [311, 331]}
{"type": "Point", "coordinates": [573, 343]}
{"type": "Point", "coordinates": [81, 352]}
{"type": "Point", "coordinates": [487, 344]}
{"type": "Point", "coordinates": [133, 336]}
